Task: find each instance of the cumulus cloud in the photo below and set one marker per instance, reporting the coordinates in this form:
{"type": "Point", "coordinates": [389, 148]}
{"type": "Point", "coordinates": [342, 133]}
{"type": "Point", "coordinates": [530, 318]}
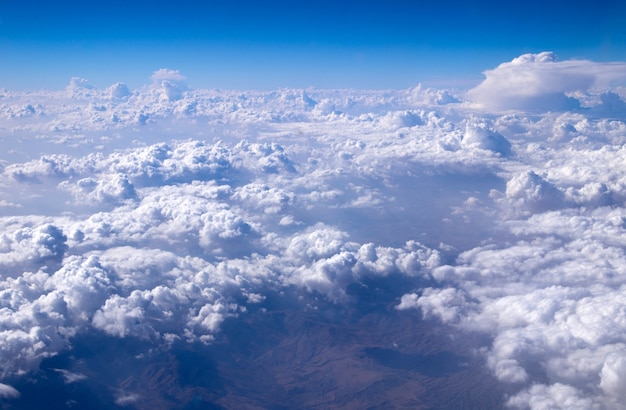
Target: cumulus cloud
{"type": "Point", "coordinates": [77, 83]}
{"type": "Point", "coordinates": [402, 119]}
{"type": "Point", "coordinates": [169, 83]}
{"type": "Point", "coordinates": [32, 246]}
{"type": "Point", "coordinates": [528, 193]}
{"type": "Point", "coordinates": [116, 189]}
{"type": "Point", "coordinates": [163, 217]}
{"type": "Point", "coordinates": [165, 74]}
{"type": "Point", "coordinates": [479, 135]}
{"type": "Point", "coordinates": [119, 91]}
{"type": "Point", "coordinates": [551, 303]}
{"type": "Point", "coordinates": [557, 396]}
{"type": "Point", "coordinates": [539, 82]}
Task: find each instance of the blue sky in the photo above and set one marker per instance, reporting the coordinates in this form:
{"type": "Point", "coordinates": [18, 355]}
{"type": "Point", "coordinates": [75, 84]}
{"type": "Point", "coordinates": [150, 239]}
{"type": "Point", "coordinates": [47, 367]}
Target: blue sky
{"type": "Point", "coordinates": [271, 44]}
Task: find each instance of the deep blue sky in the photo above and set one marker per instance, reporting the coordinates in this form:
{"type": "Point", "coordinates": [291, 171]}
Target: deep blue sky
{"type": "Point", "coordinates": [271, 44]}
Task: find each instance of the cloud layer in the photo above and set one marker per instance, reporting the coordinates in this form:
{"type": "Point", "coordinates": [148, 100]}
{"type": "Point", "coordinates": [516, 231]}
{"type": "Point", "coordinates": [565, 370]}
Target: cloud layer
{"type": "Point", "coordinates": [164, 214]}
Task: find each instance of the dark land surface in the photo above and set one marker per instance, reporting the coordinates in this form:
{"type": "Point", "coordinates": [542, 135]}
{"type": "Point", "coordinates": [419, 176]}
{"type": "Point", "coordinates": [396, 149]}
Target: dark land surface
{"type": "Point", "coordinates": [293, 351]}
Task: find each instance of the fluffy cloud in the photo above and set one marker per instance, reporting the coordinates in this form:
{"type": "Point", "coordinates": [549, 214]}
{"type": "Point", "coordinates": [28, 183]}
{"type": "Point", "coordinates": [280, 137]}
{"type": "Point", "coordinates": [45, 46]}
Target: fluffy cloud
{"type": "Point", "coordinates": [116, 189]}
{"type": "Point", "coordinates": [528, 193]}
{"type": "Point", "coordinates": [169, 253]}
{"type": "Point", "coordinates": [79, 87]}
{"type": "Point", "coordinates": [556, 396]}
{"type": "Point", "coordinates": [162, 216]}
{"type": "Point", "coordinates": [32, 246]}
{"type": "Point", "coordinates": [552, 302]}
{"type": "Point", "coordinates": [119, 91]}
{"type": "Point", "coordinates": [169, 83]}
{"type": "Point", "coordinates": [165, 74]}
{"type": "Point", "coordinates": [478, 135]}
{"type": "Point", "coordinates": [539, 82]}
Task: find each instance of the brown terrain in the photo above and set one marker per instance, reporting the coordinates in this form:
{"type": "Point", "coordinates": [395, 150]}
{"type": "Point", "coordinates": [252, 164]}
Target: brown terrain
{"type": "Point", "coordinates": [285, 355]}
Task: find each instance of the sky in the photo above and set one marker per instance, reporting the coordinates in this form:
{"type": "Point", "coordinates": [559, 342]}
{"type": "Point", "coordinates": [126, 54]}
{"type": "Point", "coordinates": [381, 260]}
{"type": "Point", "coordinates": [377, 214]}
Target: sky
{"type": "Point", "coordinates": [274, 44]}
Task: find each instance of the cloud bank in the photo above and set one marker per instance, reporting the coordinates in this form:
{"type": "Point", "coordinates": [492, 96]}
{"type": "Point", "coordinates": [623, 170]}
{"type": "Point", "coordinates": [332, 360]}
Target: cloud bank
{"type": "Point", "coordinates": [180, 219]}
{"type": "Point", "coordinates": [539, 82]}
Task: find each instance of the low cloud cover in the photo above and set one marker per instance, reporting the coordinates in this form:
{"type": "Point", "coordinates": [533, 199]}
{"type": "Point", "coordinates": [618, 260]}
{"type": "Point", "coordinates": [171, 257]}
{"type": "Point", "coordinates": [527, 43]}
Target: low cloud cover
{"type": "Point", "coordinates": [418, 236]}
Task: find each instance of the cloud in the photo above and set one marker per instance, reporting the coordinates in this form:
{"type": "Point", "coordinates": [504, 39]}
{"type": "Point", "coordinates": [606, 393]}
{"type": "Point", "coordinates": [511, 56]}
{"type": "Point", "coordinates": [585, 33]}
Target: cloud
{"type": "Point", "coordinates": [130, 280]}
{"type": "Point", "coordinates": [32, 246]}
{"type": "Point", "coordinates": [166, 222]}
{"type": "Point", "coordinates": [478, 135]}
{"type": "Point", "coordinates": [70, 377]}
{"type": "Point", "coordinates": [446, 304]}
{"type": "Point", "coordinates": [528, 193]}
{"type": "Point", "coordinates": [115, 189]}
{"type": "Point", "coordinates": [77, 84]}
{"type": "Point", "coordinates": [8, 392]}
{"type": "Point", "coordinates": [165, 74]}
{"type": "Point", "coordinates": [127, 399]}
{"type": "Point", "coordinates": [119, 91]}
{"type": "Point", "coordinates": [397, 119]}
{"type": "Point", "coordinates": [169, 83]}
{"type": "Point", "coordinates": [613, 377]}
{"type": "Point", "coordinates": [557, 396]}
{"type": "Point", "coordinates": [539, 83]}
{"type": "Point", "coordinates": [551, 301]}
{"type": "Point", "coordinates": [432, 96]}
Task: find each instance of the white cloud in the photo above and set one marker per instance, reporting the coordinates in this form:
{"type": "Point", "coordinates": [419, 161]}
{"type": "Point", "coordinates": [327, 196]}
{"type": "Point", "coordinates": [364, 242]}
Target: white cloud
{"type": "Point", "coordinates": [408, 301]}
{"type": "Point", "coordinates": [70, 377]}
{"type": "Point", "coordinates": [8, 392]}
{"type": "Point", "coordinates": [528, 193]}
{"type": "Point", "coordinates": [556, 396]}
{"type": "Point", "coordinates": [127, 399]}
{"type": "Point", "coordinates": [166, 74]}
{"type": "Point", "coordinates": [320, 242]}
{"type": "Point", "coordinates": [119, 91]}
{"type": "Point", "coordinates": [123, 316]}
{"type": "Point", "coordinates": [32, 246]}
{"type": "Point", "coordinates": [552, 304]}
{"type": "Point", "coordinates": [112, 189]}
{"type": "Point", "coordinates": [478, 135]}
{"type": "Point", "coordinates": [169, 83]}
{"type": "Point", "coordinates": [401, 119]}
{"type": "Point", "coordinates": [78, 86]}
{"type": "Point", "coordinates": [165, 216]}
{"type": "Point", "coordinates": [448, 304]}
{"type": "Point", "coordinates": [613, 377]}
{"type": "Point", "coordinates": [539, 82]}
